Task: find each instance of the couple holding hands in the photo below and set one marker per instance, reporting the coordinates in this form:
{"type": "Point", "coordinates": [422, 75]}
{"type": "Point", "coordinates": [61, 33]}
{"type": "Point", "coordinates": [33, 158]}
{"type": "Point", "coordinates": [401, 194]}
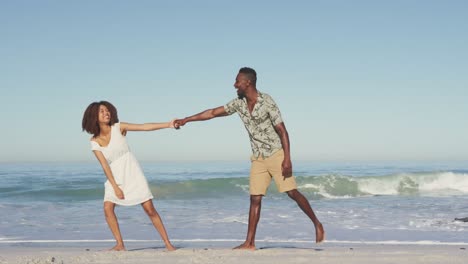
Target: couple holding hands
{"type": "Point", "coordinates": [127, 185]}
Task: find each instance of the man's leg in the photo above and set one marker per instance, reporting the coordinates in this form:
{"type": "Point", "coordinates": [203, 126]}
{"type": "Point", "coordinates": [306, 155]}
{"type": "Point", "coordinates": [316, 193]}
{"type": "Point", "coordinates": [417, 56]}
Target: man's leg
{"type": "Point", "coordinates": [254, 217]}
{"type": "Point", "coordinates": [289, 186]}
{"type": "Point", "coordinates": [259, 181]}
{"type": "Point", "coordinates": [307, 209]}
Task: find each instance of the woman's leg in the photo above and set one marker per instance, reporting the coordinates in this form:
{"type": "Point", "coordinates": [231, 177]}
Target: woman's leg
{"type": "Point", "coordinates": [157, 222]}
{"type": "Point", "coordinates": [111, 219]}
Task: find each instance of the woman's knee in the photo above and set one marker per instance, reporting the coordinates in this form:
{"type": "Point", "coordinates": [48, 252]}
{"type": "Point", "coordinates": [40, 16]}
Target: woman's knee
{"type": "Point", "coordinates": [108, 209]}
{"type": "Point", "coordinates": [149, 209]}
{"type": "Point", "coordinates": [151, 212]}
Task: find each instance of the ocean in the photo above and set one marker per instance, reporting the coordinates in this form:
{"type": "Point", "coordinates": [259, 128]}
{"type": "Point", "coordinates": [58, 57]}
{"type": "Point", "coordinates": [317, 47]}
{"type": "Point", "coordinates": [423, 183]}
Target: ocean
{"type": "Point", "coordinates": [206, 204]}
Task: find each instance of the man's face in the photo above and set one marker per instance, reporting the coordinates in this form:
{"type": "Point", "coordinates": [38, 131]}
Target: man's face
{"type": "Point", "coordinates": [241, 85]}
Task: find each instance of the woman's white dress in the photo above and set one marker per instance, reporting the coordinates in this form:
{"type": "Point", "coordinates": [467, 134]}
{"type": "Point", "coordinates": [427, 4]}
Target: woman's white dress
{"type": "Point", "coordinates": [126, 170]}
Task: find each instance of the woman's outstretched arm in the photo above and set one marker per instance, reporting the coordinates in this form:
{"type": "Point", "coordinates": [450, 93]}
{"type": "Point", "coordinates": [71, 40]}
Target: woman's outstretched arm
{"type": "Point", "coordinates": [124, 127]}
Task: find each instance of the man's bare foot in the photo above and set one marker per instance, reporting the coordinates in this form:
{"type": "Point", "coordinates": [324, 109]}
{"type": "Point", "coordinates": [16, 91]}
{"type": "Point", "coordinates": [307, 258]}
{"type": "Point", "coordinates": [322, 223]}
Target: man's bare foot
{"type": "Point", "coordinates": [245, 246]}
{"type": "Point", "coordinates": [319, 233]}
{"type": "Point", "coordinates": [117, 248]}
{"type": "Point", "coordinates": [170, 247]}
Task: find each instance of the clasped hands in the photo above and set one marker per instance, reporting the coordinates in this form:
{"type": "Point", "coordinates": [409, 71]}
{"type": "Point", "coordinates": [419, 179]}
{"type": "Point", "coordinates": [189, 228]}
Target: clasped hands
{"type": "Point", "coordinates": [177, 123]}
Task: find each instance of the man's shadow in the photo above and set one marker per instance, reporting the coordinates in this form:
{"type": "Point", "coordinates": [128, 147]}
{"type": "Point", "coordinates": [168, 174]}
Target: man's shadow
{"type": "Point", "coordinates": [150, 248]}
{"type": "Point", "coordinates": [290, 247]}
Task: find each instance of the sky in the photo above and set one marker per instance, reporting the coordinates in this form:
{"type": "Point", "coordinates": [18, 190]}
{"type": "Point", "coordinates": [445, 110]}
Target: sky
{"type": "Point", "coordinates": [354, 80]}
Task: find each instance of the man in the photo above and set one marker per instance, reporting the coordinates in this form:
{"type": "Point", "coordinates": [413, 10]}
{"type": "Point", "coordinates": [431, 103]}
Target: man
{"type": "Point", "coordinates": [270, 146]}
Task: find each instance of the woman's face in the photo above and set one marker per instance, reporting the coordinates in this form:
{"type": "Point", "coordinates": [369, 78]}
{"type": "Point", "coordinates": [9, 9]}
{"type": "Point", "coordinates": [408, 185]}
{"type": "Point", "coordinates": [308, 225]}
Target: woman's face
{"type": "Point", "coordinates": [104, 115]}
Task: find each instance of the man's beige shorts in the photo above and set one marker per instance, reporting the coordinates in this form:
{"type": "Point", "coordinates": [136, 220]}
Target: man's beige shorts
{"type": "Point", "coordinates": [262, 170]}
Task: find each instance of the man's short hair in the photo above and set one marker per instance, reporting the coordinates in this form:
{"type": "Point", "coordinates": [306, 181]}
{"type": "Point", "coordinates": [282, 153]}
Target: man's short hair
{"type": "Point", "coordinates": [250, 74]}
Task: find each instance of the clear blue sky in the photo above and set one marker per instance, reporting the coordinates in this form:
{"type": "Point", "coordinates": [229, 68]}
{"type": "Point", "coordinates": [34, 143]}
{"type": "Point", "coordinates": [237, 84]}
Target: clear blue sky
{"type": "Point", "coordinates": [355, 80]}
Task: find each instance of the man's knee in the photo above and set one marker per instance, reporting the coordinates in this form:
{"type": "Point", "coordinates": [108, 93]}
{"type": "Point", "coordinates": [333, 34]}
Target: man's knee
{"type": "Point", "coordinates": [294, 194]}
{"type": "Point", "coordinates": [256, 199]}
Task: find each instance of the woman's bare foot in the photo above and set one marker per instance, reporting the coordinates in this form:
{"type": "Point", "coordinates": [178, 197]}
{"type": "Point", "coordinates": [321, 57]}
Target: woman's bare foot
{"type": "Point", "coordinates": [245, 246]}
{"type": "Point", "coordinates": [118, 248]}
{"type": "Point", "coordinates": [319, 233]}
{"type": "Point", "coordinates": [170, 247]}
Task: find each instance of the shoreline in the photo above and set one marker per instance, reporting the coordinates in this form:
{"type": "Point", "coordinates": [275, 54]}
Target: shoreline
{"type": "Point", "coordinates": [223, 242]}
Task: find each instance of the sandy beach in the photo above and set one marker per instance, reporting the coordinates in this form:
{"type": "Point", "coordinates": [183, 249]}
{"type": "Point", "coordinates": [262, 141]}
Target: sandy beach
{"type": "Point", "coordinates": [361, 254]}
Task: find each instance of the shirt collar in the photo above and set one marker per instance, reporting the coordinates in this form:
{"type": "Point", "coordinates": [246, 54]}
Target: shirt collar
{"type": "Point", "coordinates": [259, 98]}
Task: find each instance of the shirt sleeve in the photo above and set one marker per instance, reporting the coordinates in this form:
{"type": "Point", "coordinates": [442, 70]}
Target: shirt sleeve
{"type": "Point", "coordinates": [95, 145]}
{"type": "Point", "coordinates": [274, 112]}
{"type": "Point", "coordinates": [231, 107]}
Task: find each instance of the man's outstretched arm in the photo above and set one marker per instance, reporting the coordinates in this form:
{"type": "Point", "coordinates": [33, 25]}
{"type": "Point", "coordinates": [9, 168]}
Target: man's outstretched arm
{"type": "Point", "coordinates": [205, 115]}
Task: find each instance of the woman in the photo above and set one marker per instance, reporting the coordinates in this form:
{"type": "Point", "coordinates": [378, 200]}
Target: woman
{"type": "Point", "coordinates": [126, 183]}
